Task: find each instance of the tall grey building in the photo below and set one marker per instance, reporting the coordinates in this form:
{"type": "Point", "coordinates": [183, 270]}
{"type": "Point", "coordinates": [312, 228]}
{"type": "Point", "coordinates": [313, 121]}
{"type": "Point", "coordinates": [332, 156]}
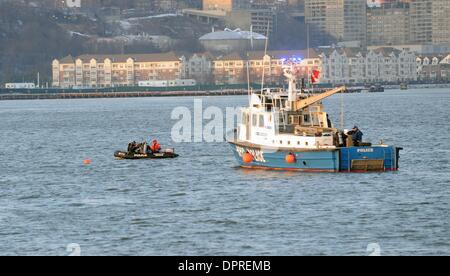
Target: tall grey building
{"type": "Point", "coordinates": [421, 21]}
{"type": "Point", "coordinates": [430, 21]}
{"type": "Point", "coordinates": [441, 21]}
{"type": "Point", "coordinates": [344, 20]}
{"type": "Point", "coordinates": [388, 24]}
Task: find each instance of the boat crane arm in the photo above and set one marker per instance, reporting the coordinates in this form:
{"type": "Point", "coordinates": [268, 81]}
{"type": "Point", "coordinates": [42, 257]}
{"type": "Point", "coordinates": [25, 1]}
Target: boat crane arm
{"type": "Point", "coordinates": [314, 99]}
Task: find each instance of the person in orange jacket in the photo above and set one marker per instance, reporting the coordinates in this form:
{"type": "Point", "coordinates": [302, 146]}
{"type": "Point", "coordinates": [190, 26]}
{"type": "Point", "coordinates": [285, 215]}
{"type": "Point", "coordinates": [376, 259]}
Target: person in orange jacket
{"type": "Point", "coordinates": [155, 147]}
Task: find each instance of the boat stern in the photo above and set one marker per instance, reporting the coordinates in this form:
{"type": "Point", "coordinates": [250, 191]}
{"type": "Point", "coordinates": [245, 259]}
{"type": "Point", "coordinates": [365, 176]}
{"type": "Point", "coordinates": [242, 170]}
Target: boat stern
{"type": "Point", "coordinates": [373, 158]}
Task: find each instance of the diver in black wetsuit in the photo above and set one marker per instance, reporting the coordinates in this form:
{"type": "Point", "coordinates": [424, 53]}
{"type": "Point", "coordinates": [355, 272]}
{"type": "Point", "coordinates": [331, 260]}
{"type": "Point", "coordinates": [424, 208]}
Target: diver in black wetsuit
{"type": "Point", "coordinates": [132, 147]}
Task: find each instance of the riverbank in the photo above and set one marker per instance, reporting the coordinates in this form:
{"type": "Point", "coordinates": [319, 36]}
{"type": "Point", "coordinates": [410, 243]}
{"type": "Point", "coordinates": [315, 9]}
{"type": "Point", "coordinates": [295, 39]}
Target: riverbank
{"type": "Point", "coordinates": [79, 94]}
{"type": "Point", "coordinates": [87, 95]}
{"type": "Point", "coordinates": [421, 86]}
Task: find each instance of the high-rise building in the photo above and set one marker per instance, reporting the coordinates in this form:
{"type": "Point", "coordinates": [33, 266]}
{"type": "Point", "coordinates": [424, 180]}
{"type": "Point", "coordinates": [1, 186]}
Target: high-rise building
{"type": "Point", "coordinates": [441, 21]}
{"type": "Point", "coordinates": [226, 5]}
{"type": "Point", "coordinates": [344, 20]}
{"type": "Point", "coordinates": [275, 4]}
{"type": "Point", "coordinates": [430, 21]}
{"type": "Point", "coordinates": [388, 24]}
{"type": "Point", "coordinates": [421, 21]}
{"type": "Point", "coordinates": [235, 14]}
{"type": "Point", "coordinates": [381, 2]}
{"type": "Point", "coordinates": [355, 21]}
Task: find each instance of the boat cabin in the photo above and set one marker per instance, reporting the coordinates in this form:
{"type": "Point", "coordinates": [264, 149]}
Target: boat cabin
{"type": "Point", "coordinates": [270, 121]}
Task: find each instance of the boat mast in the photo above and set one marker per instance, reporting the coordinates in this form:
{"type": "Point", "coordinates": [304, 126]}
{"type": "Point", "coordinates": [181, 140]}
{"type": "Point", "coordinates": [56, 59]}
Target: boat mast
{"type": "Point", "coordinates": [249, 90]}
{"type": "Point", "coordinates": [265, 54]}
{"type": "Point", "coordinates": [309, 73]}
{"type": "Point", "coordinates": [342, 110]}
{"type": "Point", "coordinates": [292, 89]}
{"type": "Point", "coordinates": [307, 47]}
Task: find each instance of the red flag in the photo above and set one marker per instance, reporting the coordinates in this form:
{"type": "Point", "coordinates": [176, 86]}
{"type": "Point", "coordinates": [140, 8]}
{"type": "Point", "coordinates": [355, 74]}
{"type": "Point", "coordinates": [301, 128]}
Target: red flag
{"type": "Point", "coordinates": [315, 76]}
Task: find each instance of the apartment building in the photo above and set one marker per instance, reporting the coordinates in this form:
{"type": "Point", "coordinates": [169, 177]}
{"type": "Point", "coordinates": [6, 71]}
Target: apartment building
{"type": "Point", "coordinates": [429, 21]}
{"type": "Point", "coordinates": [229, 69]}
{"type": "Point", "coordinates": [273, 63]}
{"type": "Point", "coordinates": [441, 21]}
{"type": "Point", "coordinates": [337, 66]}
{"type": "Point", "coordinates": [235, 13]}
{"type": "Point", "coordinates": [433, 68]}
{"type": "Point", "coordinates": [344, 20]}
{"type": "Point", "coordinates": [198, 66]}
{"type": "Point", "coordinates": [388, 24]}
{"type": "Point", "coordinates": [114, 70]}
{"type": "Point", "coordinates": [421, 21]}
{"type": "Point", "coordinates": [352, 66]}
{"type": "Point", "coordinates": [233, 68]}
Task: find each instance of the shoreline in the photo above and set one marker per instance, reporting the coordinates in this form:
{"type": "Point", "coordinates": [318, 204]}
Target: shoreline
{"type": "Point", "coordinates": [99, 95]}
{"type": "Point", "coordinates": [179, 93]}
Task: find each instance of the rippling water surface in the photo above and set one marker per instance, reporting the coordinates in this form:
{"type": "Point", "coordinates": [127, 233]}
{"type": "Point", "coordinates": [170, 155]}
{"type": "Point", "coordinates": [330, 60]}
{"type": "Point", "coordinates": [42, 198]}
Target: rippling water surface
{"type": "Point", "coordinates": [201, 203]}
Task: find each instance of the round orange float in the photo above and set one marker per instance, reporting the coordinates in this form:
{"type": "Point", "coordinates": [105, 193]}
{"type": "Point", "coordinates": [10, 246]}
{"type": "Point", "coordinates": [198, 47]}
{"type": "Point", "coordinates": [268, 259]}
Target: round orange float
{"type": "Point", "coordinates": [290, 158]}
{"type": "Point", "coordinates": [247, 158]}
{"type": "Point", "coordinates": [87, 162]}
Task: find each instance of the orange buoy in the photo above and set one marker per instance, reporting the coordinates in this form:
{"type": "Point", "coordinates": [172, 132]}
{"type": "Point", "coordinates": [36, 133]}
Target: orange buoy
{"type": "Point", "coordinates": [247, 158]}
{"type": "Point", "coordinates": [290, 158]}
{"type": "Point", "coordinates": [87, 162]}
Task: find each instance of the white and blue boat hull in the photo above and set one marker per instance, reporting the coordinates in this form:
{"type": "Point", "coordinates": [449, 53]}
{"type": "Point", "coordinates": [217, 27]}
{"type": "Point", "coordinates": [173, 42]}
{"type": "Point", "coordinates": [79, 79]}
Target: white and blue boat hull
{"type": "Point", "coordinates": [351, 159]}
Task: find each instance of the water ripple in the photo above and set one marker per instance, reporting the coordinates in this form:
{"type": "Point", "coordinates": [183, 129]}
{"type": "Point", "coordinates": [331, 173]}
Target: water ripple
{"type": "Point", "coordinates": [201, 203]}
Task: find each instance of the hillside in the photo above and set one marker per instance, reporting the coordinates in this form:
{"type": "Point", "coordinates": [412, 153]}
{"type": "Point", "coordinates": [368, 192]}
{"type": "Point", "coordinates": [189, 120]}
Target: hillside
{"type": "Point", "coordinates": [32, 35]}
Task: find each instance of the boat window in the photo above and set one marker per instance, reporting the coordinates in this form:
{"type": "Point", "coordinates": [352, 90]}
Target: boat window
{"type": "Point", "coordinates": [294, 120]}
{"type": "Point", "coordinates": [281, 142]}
{"type": "Point", "coordinates": [306, 118]}
{"type": "Point", "coordinates": [261, 120]}
{"type": "Point", "coordinates": [244, 118]}
{"type": "Point", "coordinates": [254, 119]}
{"type": "Point", "coordinates": [315, 120]}
{"type": "Point", "coordinates": [306, 143]}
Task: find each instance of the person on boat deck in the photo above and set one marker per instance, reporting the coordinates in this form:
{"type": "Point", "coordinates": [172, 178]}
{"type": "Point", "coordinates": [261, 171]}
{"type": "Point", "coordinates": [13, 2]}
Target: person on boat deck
{"type": "Point", "coordinates": [137, 148]}
{"type": "Point", "coordinates": [330, 125]}
{"type": "Point", "coordinates": [155, 147]}
{"type": "Point", "coordinates": [132, 147]}
{"type": "Point", "coordinates": [357, 136]}
{"type": "Point", "coordinates": [143, 148]}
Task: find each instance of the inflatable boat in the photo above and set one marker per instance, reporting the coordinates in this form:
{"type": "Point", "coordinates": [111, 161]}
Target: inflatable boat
{"type": "Point", "coordinates": [163, 154]}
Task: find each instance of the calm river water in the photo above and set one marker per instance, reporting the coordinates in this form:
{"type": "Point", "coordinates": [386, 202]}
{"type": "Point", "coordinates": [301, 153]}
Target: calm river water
{"type": "Point", "coordinates": [201, 203]}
